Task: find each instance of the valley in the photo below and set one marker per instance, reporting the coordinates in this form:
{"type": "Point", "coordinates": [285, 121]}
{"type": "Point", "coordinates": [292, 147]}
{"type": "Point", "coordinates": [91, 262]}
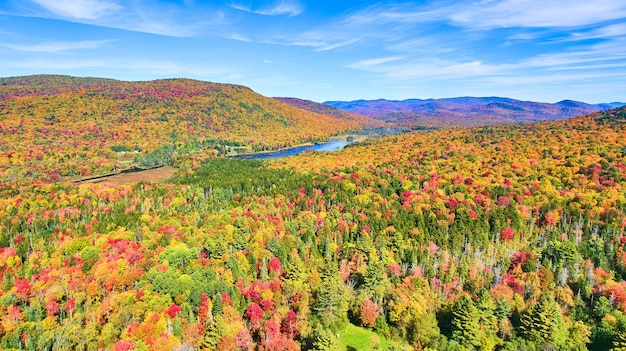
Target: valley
{"type": "Point", "coordinates": [487, 236]}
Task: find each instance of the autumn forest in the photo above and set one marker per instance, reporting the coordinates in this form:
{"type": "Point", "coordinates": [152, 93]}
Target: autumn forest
{"type": "Point", "coordinates": [482, 237]}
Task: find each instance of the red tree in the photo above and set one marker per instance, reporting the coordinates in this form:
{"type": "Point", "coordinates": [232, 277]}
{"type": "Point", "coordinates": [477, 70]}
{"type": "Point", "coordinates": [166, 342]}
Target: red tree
{"type": "Point", "coordinates": [369, 312]}
{"type": "Point", "coordinates": [173, 310]}
{"type": "Point", "coordinates": [507, 234]}
{"type": "Point", "coordinates": [254, 313]}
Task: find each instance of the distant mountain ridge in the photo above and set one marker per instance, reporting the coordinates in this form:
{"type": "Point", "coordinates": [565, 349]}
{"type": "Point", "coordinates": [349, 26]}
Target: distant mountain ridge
{"type": "Point", "coordinates": [467, 110]}
{"type": "Point", "coordinates": [328, 110]}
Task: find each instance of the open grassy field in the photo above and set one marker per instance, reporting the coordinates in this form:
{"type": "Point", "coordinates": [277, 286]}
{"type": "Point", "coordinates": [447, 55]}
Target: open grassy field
{"type": "Point", "coordinates": [357, 338]}
{"type": "Point", "coordinates": [152, 175]}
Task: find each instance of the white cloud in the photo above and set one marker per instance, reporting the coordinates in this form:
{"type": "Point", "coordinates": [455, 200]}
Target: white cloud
{"type": "Point", "coordinates": [57, 47]}
{"type": "Point", "coordinates": [338, 44]}
{"type": "Point", "coordinates": [240, 7]}
{"type": "Point", "coordinates": [381, 14]}
{"type": "Point", "coordinates": [377, 61]}
{"type": "Point", "coordinates": [609, 31]}
{"type": "Point", "coordinates": [290, 8]}
{"type": "Point", "coordinates": [81, 9]}
{"type": "Point", "coordinates": [536, 13]}
{"type": "Point", "coordinates": [184, 19]}
{"type": "Point", "coordinates": [489, 14]}
{"type": "Point", "coordinates": [416, 70]}
{"type": "Point", "coordinates": [318, 40]}
{"type": "Point", "coordinates": [282, 7]}
{"type": "Point", "coordinates": [602, 52]}
{"type": "Point", "coordinates": [591, 59]}
{"type": "Point", "coordinates": [234, 36]}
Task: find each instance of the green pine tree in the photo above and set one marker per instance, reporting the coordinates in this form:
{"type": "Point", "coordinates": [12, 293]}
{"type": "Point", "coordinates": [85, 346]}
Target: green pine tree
{"type": "Point", "coordinates": [466, 323]}
{"type": "Point", "coordinates": [619, 343]}
{"type": "Point", "coordinates": [215, 333]}
{"type": "Point", "coordinates": [329, 301]}
{"type": "Point", "coordinates": [543, 324]}
{"type": "Point", "coordinates": [324, 340]}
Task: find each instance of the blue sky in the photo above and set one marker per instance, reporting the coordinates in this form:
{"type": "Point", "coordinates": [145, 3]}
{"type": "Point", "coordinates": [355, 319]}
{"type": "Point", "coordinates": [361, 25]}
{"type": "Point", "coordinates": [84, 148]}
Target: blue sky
{"type": "Point", "coordinates": [540, 50]}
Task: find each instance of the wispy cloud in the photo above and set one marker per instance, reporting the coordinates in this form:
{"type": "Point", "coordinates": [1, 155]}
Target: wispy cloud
{"type": "Point", "coordinates": [183, 19]}
{"type": "Point", "coordinates": [290, 8]}
{"type": "Point", "coordinates": [536, 66]}
{"type": "Point", "coordinates": [317, 40]}
{"type": "Point", "coordinates": [382, 14]}
{"type": "Point", "coordinates": [338, 44]}
{"type": "Point", "coordinates": [601, 52]}
{"type": "Point", "coordinates": [282, 7]}
{"type": "Point", "coordinates": [488, 14]}
{"type": "Point", "coordinates": [395, 69]}
{"type": "Point", "coordinates": [234, 36]}
{"type": "Point", "coordinates": [377, 61]}
{"type": "Point", "coordinates": [80, 9]}
{"type": "Point", "coordinates": [381, 25]}
{"type": "Point", "coordinates": [590, 62]}
{"type": "Point", "coordinates": [400, 24]}
{"type": "Point", "coordinates": [240, 7]}
{"type": "Point", "coordinates": [608, 31]}
{"type": "Point", "coordinates": [535, 13]}
{"type": "Point", "coordinates": [57, 47]}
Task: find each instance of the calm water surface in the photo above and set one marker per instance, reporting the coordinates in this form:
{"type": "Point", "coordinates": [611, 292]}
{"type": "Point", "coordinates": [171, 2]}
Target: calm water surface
{"type": "Point", "coordinates": [331, 145]}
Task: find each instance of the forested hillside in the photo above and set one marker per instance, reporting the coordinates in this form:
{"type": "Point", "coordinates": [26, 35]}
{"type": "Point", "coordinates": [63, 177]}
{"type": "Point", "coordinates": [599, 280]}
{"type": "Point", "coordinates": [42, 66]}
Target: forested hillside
{"type": "Point", "coordinates": [54, 126]}
{"type": "Point", "coordinates": [488, 238]}
{"type": "Point", "coordinates": [327, 110]}
{"type": "Point", "coordinates": [467, 111]}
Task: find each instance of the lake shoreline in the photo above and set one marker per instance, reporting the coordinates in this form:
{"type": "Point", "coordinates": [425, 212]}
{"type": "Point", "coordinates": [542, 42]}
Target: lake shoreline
{"type": "Point", "coordinates": [333, 144]}
{"type": "Point", "coordinates": [272, 151]}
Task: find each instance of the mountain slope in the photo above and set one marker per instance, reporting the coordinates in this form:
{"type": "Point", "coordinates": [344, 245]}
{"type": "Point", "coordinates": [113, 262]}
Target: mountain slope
{"type": "Point", "coordinates": [90, 123]}
{"type": "Point", "coordinates": [327, 110]}
{"type": "Point", "coordinates": [466, 110]}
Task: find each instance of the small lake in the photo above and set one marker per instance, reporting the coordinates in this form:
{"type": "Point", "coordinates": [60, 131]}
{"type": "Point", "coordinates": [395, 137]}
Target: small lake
{"type": "Point", "coordinates": [331, 145]}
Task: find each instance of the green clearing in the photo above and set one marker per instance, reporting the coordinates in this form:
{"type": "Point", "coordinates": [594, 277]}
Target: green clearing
{"type": "Point", "coordinates": [356, 338]}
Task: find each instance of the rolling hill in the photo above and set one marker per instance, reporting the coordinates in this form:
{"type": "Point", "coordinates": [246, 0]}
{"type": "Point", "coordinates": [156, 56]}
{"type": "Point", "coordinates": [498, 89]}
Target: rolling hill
{"type": "Point", "coordinates": [327, 110]}
{"type": "Point", "coordinates": [466, 110]}
{"type": "Point", "coordinates": [63, 125]}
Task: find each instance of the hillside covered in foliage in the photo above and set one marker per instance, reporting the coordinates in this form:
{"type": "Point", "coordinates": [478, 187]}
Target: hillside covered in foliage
{"type": "Point", "coordinates": [327, 110]}
{"type": "Point", "coordinates": [488, 238]}
{"type": "Point", "coordinates": [467, 111]}
{"type": "Point", "coordinates": [55, 126]}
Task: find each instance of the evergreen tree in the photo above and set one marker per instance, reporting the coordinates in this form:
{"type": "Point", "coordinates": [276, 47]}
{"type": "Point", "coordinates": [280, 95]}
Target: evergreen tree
{"type": "Point", "coordinates": [465, 323]}
{"type": "Point", "coordinates": [329, 303]}
{"type": "Point", "coordinates": [374, 274]}
{"type": "Point", "coordinates": [324, 340]}
{"type": "Point", "coordinates": [214, 334]}
{"type": "Point", "coordinates": [619, 343]}
{"type": "Point", "coordinates": [601, 307]}
{"type": "Point", "coordinates": [486, 308]}
{"type": "Point", "coordinates": [543, 324]}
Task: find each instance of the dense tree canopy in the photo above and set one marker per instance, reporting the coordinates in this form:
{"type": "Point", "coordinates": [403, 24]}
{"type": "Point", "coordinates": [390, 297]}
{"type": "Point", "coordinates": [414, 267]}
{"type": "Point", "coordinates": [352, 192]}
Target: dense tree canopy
{"type": "Point", "coordinates": [490, 238]}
